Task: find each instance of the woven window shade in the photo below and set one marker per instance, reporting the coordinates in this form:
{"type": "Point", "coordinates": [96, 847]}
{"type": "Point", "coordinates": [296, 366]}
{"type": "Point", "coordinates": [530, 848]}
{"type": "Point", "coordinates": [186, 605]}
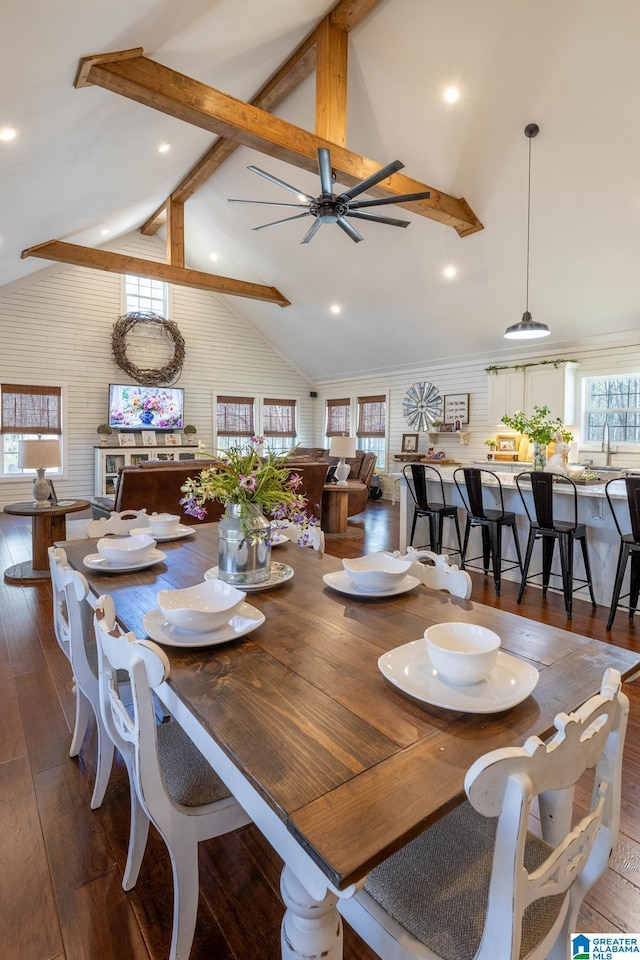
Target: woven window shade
{"type": "Point", "coordinates": [235, 417]}
{"type": "Point", "coordinates": [279, 418]}
{"type": "Point", "coordinates": [338, 418]}
{"type": "Point", "coordinates": [372, 416]}
{"type": "Point", "coordinates": [29, 409]}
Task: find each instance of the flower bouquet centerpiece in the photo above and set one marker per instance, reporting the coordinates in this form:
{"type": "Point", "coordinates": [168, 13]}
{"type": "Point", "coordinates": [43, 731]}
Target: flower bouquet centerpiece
{"type": "Point", "coordinates": [251, 481]}
{"type": "Point", "coordinates": [539, 428]}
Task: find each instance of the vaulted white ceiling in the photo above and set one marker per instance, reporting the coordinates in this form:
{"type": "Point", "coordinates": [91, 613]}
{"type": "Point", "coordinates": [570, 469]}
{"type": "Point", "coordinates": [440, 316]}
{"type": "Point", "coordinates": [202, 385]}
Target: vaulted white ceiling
{"type": "Point", "coordinates": [85, 161]}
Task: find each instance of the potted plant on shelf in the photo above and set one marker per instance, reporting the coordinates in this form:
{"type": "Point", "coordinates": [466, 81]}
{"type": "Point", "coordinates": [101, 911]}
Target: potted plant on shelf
{"type": "Point", "coordinates": [539, 428]}
{"type": "Point", "coordinates": [491, 443]}
{"type": "Point", "coordinates": [190, 433]}
{"type": "Point", "coordinates": [104, 431]}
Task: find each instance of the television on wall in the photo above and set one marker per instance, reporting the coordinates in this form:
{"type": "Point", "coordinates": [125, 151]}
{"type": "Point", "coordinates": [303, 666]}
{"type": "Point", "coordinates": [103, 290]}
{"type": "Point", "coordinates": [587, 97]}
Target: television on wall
{"type": "Point", "coordinates": [136, 407]}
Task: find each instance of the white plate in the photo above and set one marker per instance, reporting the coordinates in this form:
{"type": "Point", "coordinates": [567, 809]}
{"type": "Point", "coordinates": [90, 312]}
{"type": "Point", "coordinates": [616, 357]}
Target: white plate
{"type": "Point", "coordinates": [280, 573]}
{"type": "Point", "coordinates": [342, 582]}
{"type": "Point", "coordinates": [181, 532]}
{"type": "Point", "coordinates": [94, 561]}
{"type": "Point", "coordinates": [409, 668]}
{"type": "Point", "coordinates": [247, 619]}
{"type": "Point", "coordinates": [277, 539]}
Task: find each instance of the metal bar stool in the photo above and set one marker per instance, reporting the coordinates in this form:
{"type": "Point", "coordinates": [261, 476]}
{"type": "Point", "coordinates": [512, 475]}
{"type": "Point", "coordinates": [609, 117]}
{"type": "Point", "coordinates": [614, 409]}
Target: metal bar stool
{"type": "Point", "coordinates": [543, 526]}
{"type": "Point", "coordinates": [435, 510]}
{"type": "Point", "coordinates": [629, 547]}
{"type": "Point", "coordinates": [491, 521]}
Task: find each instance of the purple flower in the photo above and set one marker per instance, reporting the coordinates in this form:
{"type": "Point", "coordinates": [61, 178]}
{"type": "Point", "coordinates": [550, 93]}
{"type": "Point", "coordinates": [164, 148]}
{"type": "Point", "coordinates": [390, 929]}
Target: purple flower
{"type": "Point", "coordinates": [258, 441]}
{"type": "Point", "coordinates": [249, 482]}
{"type": "Point", "coordinates": [193, 508]}
{"type": "Point", "coordinates": [294, 480]}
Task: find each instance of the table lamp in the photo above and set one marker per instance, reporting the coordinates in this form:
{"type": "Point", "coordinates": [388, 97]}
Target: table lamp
{"type": "Point", "coordinates": [38, 455]}
{"type": "Point", "coordinates": [342, 447]}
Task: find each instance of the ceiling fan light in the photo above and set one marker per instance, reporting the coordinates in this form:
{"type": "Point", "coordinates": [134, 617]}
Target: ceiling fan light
{"type": "Point", "coordinates": [527, 329]}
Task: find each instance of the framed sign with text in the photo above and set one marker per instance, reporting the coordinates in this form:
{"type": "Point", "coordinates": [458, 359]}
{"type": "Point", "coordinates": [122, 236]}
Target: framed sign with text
{"type": "Point", "coordinates": [456, 409]}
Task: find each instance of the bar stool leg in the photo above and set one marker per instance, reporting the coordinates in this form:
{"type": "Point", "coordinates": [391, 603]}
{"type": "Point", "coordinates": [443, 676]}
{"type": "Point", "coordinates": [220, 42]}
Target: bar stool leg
{"type": "Point", "coordinates": [486, 547]}
{"type": "Point", "coordinates": [565, 543]}
{"type": "Point", "coordinates": [439, 525]}
{"type": "Point", "coordinates": [623, 556]}
{"type": "Point", "coordinates": [457, 526]}
{"type": "Point", "coordinates": [634, 584]}
{"type": "Point", "coordinates": [494, 532]}
{"type": "Point", "coordinates": [531, 539]}
{"type": "Point", "coordinates": [467, 530]}
{"type": "Point", "coordinates": [548, 546]}
{"type": "Point", "coordinates": [587, 569]}
{"type": "Point", "coordinates": [517, 545]}
{"type": "Point", "coordinates": [433, 533]}
{"type": "Point", "coordinates": [413, 527]}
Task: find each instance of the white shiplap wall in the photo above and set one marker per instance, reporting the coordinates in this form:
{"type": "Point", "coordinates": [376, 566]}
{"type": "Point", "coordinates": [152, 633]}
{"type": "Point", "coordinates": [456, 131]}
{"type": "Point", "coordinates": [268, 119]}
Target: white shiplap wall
{"type": "Point", "coordinates": [56, 327]}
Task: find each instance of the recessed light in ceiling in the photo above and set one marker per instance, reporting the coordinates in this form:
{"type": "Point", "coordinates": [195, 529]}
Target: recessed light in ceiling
{"type": "Point", "coordinates": [450, 272]}
{"type": "Point", "coordinates": [452, 94]}
{"type": "Point", "coordinates": [105, 232]}
{"type": "Point", "coordinates": [335, 308]}
{"type": "Point", "coordinates": [8, 133]}
{"type": "Point", "coordinates": [164, 148]}
{"type": "Point", "coordinates": [214, 256]}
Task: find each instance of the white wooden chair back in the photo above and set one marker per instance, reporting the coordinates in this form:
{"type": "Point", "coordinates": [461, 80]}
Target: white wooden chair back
{"type": "Point", "coordinates": [73, 606]}
{"type": "Point", "coordinates": [164, 768]}
{"type": "Point", "coordinates": [312, 536]}
{"type": "Point", "coordinates": [535, 885]}
{"type": "Point", "coordinates": [117, 523]}
{"type": "Point", "coordinates": [442, 575]}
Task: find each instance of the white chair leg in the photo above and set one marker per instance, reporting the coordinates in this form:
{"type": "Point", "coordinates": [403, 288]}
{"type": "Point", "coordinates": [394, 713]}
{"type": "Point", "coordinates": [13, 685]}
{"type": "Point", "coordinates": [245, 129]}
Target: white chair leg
{"type": "Point", "coordinates": [104, 763]}
{"type": "Point", "coordinates": [186, 888]}
{"type": "Point", "coordinates": [83, 712]}
{"type": "Point", "coordinates": [138, 833]}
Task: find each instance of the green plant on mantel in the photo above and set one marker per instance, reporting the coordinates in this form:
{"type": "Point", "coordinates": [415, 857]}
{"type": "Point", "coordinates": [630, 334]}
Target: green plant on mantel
{"type": "Point", "coordinates": [537, 427]}
{"type": "Point", "coordinates": [496, 368]}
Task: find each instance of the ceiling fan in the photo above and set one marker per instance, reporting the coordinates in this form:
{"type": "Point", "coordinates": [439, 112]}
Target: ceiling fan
{"type": "Point", "coordinates": [329, 208]}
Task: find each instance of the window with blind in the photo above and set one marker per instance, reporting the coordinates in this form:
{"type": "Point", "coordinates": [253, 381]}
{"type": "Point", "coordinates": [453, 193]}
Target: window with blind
{"type": "Point", "coordinates": [338, 418]}
{"type": "Point", "coordinates": [279, 423]}
{"type": "Point", "coordinates": [27, 411]}
{"type": "Point", "coordinates": [371, 427]}
{"type": "Point", "coordinates": [235, 419]}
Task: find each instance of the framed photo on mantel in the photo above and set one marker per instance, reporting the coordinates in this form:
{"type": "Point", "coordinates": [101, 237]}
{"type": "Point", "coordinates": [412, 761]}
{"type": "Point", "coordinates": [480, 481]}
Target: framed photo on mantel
{"type": "Point", "coordinates": [456, 410]}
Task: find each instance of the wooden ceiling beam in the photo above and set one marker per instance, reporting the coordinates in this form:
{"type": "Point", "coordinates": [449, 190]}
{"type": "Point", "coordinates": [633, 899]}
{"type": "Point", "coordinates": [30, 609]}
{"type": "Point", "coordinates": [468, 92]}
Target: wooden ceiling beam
{"type": "Point", "coordinates": [175, 233]}
{"type": "Point", "coordinates": [346, 15]}
{"type": "Point", "coordinates": [331, 82]}
{"type": "Point", "coordinates": [143, 80]}
{"type": "Point", "coordinates": [80, 256]}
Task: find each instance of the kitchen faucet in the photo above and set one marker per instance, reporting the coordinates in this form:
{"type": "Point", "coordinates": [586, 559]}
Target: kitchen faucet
{"type": "Point", "coordinates": [606, 443]}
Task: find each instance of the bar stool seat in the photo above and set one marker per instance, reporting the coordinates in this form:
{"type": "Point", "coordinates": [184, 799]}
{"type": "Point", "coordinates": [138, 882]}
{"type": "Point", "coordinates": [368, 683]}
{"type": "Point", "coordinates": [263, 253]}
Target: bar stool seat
{"type": "Point", "coordinates": [417, 476]}
{"type": "Point", "coordinates": [629, 548]}
{"type": "Point", "coordinates": [543, 526]}
{"type": "Point", "coordinates": [490, 520]}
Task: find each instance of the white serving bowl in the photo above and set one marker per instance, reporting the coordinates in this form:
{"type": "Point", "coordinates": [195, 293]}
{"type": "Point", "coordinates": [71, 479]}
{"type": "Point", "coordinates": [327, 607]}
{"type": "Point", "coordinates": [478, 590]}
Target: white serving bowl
{"type": "Point", "coordinates": [203, 607]}
{"type": "Point", "coordinates": [462, 652]}
{"type": "Point", "coordinates": [163, 524]}
{"type": "Point", "coordinates": [377, 571]}
{"type": "Point", "coordinates": [125, 549]}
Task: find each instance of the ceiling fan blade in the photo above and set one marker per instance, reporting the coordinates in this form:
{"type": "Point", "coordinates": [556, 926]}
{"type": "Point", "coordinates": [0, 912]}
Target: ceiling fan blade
{"type": "Point", "coordinates": [324, 166]}
{"type": "Point", "coordinates": [269, 203]}
{"type": "Point", "coordinates": [379, 201]}
{"type": "Point", "coordinates": [280, 183]}
{"type": "Point", "coordinates": [286, 219]}
{"type": "Point", "coordinates": [312, 231]}
{"type": "Point", "coordinates": [371, 181]}
{"type": "Point", "coordinates": [377, 219]}
{"type": "Point", "coordinates": [349, 229]}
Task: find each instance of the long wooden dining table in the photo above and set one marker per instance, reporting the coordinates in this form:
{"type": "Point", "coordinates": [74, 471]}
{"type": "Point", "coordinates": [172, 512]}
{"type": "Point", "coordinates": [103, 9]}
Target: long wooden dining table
{"type": "Point", "coordinates": [336, 766]}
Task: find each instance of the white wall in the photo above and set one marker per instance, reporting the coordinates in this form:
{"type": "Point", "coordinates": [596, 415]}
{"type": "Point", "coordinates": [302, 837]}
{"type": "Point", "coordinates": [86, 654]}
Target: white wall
{"type": "Point", "coordinates": [56, 328]}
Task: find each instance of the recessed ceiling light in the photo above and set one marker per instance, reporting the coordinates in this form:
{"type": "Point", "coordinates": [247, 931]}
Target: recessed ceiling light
{"type": "Point", "coordinates": [214, 256]}
{"type": "Point", "coordinates": [302, 198]}
{"type": "Point", "coordinates": [452, 94]}
{"type": "Point", "coordinates": [8, 133]}
{"type": "Point", "coordinates": [450, 272]}
{"type": "Point", "coordinates": [335, 308]}
{"type": "Point", "coordinates": [103, 233]}
{"type": "Point", "coordinates": [164, 148]}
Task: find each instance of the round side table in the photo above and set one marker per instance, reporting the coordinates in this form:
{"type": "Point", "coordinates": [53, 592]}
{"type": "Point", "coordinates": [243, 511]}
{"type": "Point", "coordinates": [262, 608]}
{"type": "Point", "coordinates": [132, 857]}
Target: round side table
{"type": "Point", "coordinates": [48, 524]}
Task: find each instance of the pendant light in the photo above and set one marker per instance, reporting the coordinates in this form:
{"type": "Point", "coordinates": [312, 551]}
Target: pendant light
{"type": "Point", "coordinates": [528, 328]}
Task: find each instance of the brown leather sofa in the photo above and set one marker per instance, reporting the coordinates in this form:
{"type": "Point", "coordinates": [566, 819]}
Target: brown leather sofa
{"type": "Point", "coordinates": [360, 474]}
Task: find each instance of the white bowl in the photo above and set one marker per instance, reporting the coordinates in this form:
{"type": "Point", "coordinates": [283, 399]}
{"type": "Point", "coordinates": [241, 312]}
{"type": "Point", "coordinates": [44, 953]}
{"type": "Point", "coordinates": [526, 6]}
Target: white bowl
{"type": "Point", "coordinates": [163, 524]}
{"type": "Point", "coordinates": [206, 606]}
{"type": "Point", "coordinates": [377, 571]}
{"type": "Point", "coordinates": [462, 652]}
{"type": "Point", "coordinates": [125, 549]}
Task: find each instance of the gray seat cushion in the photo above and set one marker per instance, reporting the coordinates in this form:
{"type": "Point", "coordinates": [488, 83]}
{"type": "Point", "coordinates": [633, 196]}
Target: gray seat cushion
{"type": "Point", "coordinates": [437, 886]}
{"type": "Point", "coordinates": [189, 779]}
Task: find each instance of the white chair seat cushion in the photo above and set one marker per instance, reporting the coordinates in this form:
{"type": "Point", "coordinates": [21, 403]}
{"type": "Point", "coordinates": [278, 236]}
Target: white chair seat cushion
{"type": "Point", "coordinates": [437, 886]}
{"type": "Point", "coordinates": [189, 779]}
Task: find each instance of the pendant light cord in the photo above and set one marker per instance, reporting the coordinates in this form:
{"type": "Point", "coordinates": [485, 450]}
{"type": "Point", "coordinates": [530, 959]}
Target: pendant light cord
{"type": "Point", "coordinates": [528, 227]}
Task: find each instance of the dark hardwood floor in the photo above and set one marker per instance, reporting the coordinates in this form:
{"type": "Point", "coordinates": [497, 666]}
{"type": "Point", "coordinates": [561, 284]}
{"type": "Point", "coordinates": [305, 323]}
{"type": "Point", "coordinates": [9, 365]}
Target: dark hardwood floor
{"type": "Point", "coordinates": [60, 883]}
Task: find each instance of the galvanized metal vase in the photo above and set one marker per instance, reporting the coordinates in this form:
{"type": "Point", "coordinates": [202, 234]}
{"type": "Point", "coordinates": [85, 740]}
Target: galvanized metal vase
{"type": "Point", "coordinates": [244, 545]}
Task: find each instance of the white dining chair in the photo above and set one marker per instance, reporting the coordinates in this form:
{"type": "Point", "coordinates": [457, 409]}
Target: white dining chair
{"type": "Point", "coordinates": [175, 788]}
{"type": "Point", "coordinates": [72, 621]}
{"type": "Point", "coordinates": [477, 885]}
{"type": "Point", "coordinates": [438, 573]}
{"type": "Point", "coordinates": [117, 523]}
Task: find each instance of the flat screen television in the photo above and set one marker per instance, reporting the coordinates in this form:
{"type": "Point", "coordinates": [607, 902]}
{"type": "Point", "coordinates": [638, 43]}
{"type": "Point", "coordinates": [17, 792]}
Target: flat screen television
{"type": "Point", "coordinates": [136, 407]}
